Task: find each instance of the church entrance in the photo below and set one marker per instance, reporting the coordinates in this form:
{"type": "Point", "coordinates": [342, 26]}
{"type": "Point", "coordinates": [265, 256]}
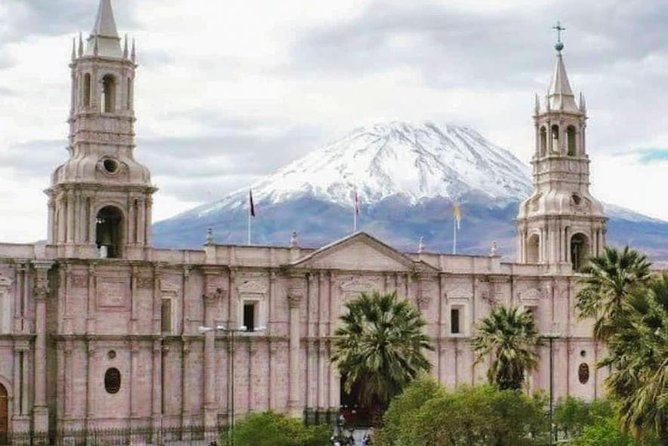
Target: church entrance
{"type": "Point", "coordinates": [352, 409]}
{"type": "Point", "coordinates": [4, 415]}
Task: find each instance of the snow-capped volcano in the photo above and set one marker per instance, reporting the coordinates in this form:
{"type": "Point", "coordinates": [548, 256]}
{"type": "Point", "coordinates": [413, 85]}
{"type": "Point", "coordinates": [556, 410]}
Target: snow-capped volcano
{"type": "Point", "coordinates": [413, 161]}
{"type": "Point", "coordinates": [407, 177]}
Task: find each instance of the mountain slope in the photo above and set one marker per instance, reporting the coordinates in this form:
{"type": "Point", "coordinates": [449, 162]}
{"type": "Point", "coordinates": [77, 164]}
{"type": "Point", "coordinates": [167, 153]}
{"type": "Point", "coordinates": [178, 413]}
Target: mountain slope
{"type": "Point", "coordinates": [407, 178]}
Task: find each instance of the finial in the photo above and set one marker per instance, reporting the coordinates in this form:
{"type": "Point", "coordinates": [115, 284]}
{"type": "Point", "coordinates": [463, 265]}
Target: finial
{"type": "Point", "coordinates": [81, 45]}
{"type": "Point", "coordinates": [494, 250]}
{"type": "Point", "coordinates": [134, 51]}
{"type": "Point", "coordinates": [537, 105]}
{"type": "Point", "coordinates": [559, 45]}
{"type": "Point", "coordinates": [96, 48]}
{"type": "Point", "coordinates": [294, 240]}
{"type": "Point", "coordinates": [125, 47]}
{"type": "Point", "coordinates": [209, 237]}
{"type": "Point", "coordinates": [421, 246]}
{"type": "Point", "coordinates": [74, 49]}
{"type": "Point", "coordinates": [583, 103]}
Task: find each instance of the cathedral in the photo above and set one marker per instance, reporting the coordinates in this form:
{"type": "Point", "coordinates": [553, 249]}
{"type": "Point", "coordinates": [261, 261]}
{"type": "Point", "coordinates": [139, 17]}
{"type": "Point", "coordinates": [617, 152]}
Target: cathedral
{"type": "Point", "coordinates": [100, 330]}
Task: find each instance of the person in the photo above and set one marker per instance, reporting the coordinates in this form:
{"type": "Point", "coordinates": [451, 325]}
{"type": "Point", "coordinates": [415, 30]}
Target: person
{"type": "Point", "coordinates": [366, 440]}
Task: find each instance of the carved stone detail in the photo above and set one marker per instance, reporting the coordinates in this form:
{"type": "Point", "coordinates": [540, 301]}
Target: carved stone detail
{"type": "Point", "coordinates": [145, 282]}
{"type": "Point", "coordinates": [79, 281]}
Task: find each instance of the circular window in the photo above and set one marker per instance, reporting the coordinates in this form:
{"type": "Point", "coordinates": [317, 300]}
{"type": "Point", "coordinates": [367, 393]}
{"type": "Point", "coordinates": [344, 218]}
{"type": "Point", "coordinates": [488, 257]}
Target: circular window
{"type": "Point", "coordinates": [112, 380]}
{"type": "Point", "coordinates": [111, 166]}
{"type": "Point", "coordinates": [583, 353]}
{"type": "Point", "coordinates": [576, 199]}
{"type": "Point", "coordinates": [111, 354]}
{"type": "Point", "coordinates": [583, 373]}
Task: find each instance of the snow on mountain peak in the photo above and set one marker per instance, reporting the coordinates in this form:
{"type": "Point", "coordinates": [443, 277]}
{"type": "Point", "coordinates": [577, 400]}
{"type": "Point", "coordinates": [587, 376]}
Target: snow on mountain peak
{"type": "Point", "coordinates": [415, 161]}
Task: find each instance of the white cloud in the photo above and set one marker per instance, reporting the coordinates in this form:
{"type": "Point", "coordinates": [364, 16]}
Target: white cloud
{"type": "Point", "coordinates": [257, 83]}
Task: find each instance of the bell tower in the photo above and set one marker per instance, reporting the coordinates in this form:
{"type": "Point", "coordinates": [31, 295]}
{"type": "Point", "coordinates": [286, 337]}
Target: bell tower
{"type": "Point", "coordinates": [100, 198]}
{"type": "Point", "coordinates": [561, 224]}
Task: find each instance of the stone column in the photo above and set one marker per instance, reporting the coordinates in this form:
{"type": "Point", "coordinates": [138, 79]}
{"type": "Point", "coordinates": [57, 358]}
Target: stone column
{"type": "Point", "coordinates": [156, 388]}
{"type": "Point", "coordinates": [90, 387]}
{"type": "Point", "coordinates": [39, 292]}
{"type": "Point", "coordinates": [210, 395]}
{"type": "Point", "coordinates": [185, 394]}
{"type": "Point", "coordinates": [51, 236]}
{"type": "Point", "coordinates": [294, 300]}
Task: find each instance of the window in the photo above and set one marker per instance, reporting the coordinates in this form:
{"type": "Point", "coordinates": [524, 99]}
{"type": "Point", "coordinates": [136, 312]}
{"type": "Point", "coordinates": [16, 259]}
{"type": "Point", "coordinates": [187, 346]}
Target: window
{"type": "Point", "coordinates": [166, 325]}
{"type": "Point", "coordinates": [543, 141]}
{"type": "Point", "coordinates": [555, 139]}
{"type": "Point", "coordinates": [533, 249]}
{"type": "Point", "coordinates": [112, 380]}
{"type": "Point", "coordinates": [454, 321]}
{"type": "Point", "coordinates": [249, 316]}
{"type": "Point", "coordinates": [108, 94]}
{"type": "Point", "coordinates": [583, 373]}
{"type": "Point", "coordinates": [570, 133]}
{"type": "Point", "coordinates": [108, 232]}
{"type": "Point", "coordinates": [578, 251]}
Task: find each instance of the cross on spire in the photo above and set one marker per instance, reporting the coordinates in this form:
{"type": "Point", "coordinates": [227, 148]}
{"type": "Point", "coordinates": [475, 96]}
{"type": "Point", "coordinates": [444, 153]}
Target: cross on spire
{"type": "Point", "coordinates": [558, 28]}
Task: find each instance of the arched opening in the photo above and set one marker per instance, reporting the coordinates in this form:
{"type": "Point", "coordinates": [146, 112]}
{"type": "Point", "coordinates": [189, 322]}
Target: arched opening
{"type": "Point", "coordinates": [570, 133]}
{"type": "Point", "coordinates": [108, 94]}
{"type": "Point", "coordinates": [554, 134]}
{"type": "Point", "coordinates": [108, 232]}
{"type": "Point", "coordinates": [352, 409]}
{"type": "Point", "coordinates": [86, 90]}
{"type": "Point", "coordinates": [533, 249]}
{"type": "Point", "coordinates": [4, 415]}
{"type": "Point", "coordinates": [543, 141]}
{"type": "Point", "coordinates": [579, 251]}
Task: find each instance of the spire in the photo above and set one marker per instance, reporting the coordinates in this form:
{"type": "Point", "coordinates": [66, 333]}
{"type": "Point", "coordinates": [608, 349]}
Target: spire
{"type": "Point", "coordinates": [81, 46]}
{"type": "Point", "coordinates": [104, 36]}
{"type": "Point", "coordinates": [559, 95]}
{"type": "Point", "coordinates": [105, 25]}
{"type": "Point", "coordinates": [125, 47]}
{"type": "Point", "coordinates": [74, 49]}
{"type": "Point", "coordinates": [583, 104]}
{"type": "Point", "coordinates": [133, 56]}
{"type": "Point", "coordinates": [536, 106]}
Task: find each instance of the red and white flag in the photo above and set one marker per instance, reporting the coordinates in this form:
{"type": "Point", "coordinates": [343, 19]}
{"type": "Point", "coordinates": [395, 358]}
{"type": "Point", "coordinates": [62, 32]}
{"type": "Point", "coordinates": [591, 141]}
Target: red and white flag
{"type": "Point", "coordinates": [357, 203]}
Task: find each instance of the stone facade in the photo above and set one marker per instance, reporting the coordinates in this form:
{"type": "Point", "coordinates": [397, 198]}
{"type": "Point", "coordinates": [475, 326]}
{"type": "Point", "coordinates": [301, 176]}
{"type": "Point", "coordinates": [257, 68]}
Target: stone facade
{"type": "Point", "coordinates": [98, 329]}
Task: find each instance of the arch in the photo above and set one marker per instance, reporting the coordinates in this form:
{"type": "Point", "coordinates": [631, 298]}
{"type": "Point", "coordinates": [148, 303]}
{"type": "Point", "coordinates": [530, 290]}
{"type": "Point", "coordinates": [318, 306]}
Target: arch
{"type": "Point", "coordinates": [543, 141]}
{"type": "Point", "coordinates": [108, 101]}
{"type": "Point", "coordinates": [108, 232]}
{"type": "Point", "coordinates": [4, 414]}
{"type": "Point", "coordinates": [554, 138]}
{"type": "Point", "coordinates": [87, 86]}
{"type": "Point", "coordinates": [533, 249]}
{"type": "Point", "coordinates": [579, 250]}
{"type": "Point", "coordinates": [571, 136]}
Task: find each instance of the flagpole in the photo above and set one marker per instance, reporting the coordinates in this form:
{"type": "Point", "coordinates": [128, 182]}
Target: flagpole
{"type": "Point", "coordinates": [454, 237]}
{"type": "Point", "coordinates": [355, 219]}
{"type": "Point", "coordinates": [249, 225]}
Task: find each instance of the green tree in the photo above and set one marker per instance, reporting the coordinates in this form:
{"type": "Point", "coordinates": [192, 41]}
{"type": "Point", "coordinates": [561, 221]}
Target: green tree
{"type": "Point", "coordinates": [400, 416]}
{"type": "Point", "coordinates": [510, 336]}
{"type": "Point", "coordinates": [572, 415]}
{"type": "Point", "coordinates": [272, 429]}
{"type": "Point", "coordinates": [380, 346]}
{"type": "Point", "coordinates": [609, 280]}
{"type": "Point", "coordinates": [638, 358]}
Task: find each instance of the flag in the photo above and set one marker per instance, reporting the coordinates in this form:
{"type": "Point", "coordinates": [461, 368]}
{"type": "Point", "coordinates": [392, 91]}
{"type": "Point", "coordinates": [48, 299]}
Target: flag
{"type": "Point", "coordinates": [457, 214]}
{"type": "Point", "coordinates": [251, 204]}
{"type": "Point", "coordinates": [357, 203]}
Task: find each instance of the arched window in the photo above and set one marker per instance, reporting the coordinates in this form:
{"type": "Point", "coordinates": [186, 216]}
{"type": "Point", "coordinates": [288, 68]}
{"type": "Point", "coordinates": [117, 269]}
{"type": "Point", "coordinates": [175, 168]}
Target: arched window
{"type": "Point", "coordinates": [543, 141]}
{"type": "Point", "coordinates": [112, 380]}
{"type": "Point", "coordinates": [108, 94]}
{"type": "Point", "coordinates": [4, 415]}
{"type": "Point", "coordinates": [583, 373]}
{"type": "Point", "coordinates": [86, 90]}
{"type": "Point", "coordinates": [579, 251]}
{"type": "Point", "coordinates": [570, 133]}
{"type": "Point", "coordinates": [108, 232]}
{"type": "Point", "coordinates": [554, 134]}
{"type": "Point", "coordinates": [533, 249]}
{"type": "Point", "coordinates": [130, 92]}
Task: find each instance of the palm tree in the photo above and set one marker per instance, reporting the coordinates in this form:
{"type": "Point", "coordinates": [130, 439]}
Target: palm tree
{"type": "Point", "coordinates": [609, 279]}
{"type": "Point", "coordinates": [510, 335]}
{"type": "Point", "coordinates": [380, 347]}
{"type": "Point", "coordinates": [638, 357]}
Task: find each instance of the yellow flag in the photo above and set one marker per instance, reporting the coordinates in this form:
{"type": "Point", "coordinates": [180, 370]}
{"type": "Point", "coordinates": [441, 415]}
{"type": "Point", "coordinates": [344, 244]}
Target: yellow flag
{"type": "Point", "coordinates": [457, 213]}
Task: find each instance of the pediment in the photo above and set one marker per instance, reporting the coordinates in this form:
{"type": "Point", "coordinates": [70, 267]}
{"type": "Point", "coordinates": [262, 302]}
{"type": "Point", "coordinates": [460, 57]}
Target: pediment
{"type": "Point", "coordinates": [359, 252]}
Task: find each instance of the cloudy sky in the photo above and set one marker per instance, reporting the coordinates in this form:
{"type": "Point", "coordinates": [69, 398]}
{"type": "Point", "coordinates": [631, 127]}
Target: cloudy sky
{"type": "Point", "coordinates": [230, 90]}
